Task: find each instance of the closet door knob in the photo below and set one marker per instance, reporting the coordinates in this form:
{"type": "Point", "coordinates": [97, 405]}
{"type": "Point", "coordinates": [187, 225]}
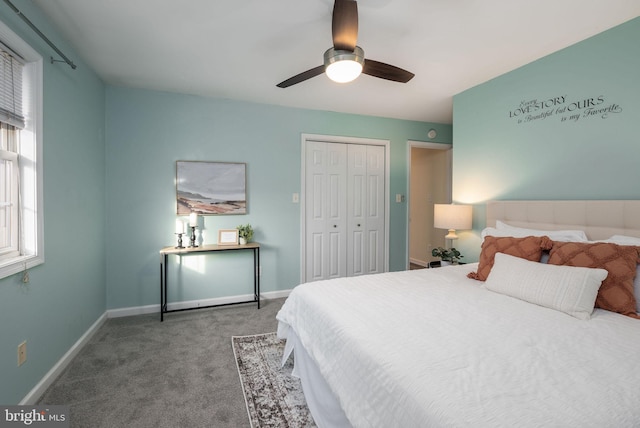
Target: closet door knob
{"type": "Point", "coordinates": [335, 225]}
{"type": "Point", "coordinates": [358, 224]}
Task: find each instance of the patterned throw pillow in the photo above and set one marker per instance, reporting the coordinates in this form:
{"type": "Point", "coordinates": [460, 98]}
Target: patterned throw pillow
{"type": "Point", "coordinates": [616, 292]}
{"type": "Point", "coordinates": [528, 248]}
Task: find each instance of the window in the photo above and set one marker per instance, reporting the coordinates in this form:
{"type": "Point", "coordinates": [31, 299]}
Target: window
{"type": "Point", "coordinates": [9, 190]}
{"type": "Point", "coordinates": [21, 219]}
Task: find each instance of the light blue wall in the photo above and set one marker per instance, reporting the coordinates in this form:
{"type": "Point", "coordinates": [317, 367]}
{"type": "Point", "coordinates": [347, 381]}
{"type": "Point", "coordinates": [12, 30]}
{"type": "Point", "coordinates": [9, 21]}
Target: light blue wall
{"type": "Point", "coordinates": [500, 153]}
{"type": "Point", "coordinates": [66, 294]}
{"type": "Point", "coordinates": [148, 131]}
{"type": "Point", "coordinates": [109, 196]}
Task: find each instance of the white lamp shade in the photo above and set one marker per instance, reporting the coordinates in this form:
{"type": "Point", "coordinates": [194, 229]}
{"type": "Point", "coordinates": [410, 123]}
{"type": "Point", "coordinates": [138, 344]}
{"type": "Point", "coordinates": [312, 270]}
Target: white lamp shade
{"type": "Point", "coordinates": [449, 216]}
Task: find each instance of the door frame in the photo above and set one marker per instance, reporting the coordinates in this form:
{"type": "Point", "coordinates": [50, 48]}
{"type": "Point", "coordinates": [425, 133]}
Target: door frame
{"type": "Point", "coordinates": [387, 181]}
{"type": "Point", "coordinates": [411, 144]}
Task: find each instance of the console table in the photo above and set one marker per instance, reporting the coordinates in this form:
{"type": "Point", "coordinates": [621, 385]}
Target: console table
{"type": "Point", "coordinates": [207, 249]}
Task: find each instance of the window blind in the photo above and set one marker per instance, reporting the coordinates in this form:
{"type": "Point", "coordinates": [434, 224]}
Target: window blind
{"type": "Point", "coordinates": [11, 89]}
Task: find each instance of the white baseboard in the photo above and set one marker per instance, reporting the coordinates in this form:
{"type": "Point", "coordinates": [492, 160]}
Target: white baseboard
{"type": "Point", "coordinates": [150, 309]}
{"type": "Point", "coordinates": [276, 294]}
{"type": "Point", "coordinates": [419, 262]}
{"type": "Point", "coordinates": [37, 391]}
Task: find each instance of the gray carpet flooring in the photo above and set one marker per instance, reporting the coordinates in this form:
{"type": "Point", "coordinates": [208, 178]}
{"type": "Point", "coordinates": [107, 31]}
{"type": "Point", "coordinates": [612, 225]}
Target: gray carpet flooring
{"type": "Point", "coordinates": [139, 372]}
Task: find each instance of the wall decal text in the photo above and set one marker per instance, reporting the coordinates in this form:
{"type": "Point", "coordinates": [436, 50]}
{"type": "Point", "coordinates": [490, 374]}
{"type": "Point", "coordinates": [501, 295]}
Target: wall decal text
{"type": "Point", "coordinates": [564, 109]}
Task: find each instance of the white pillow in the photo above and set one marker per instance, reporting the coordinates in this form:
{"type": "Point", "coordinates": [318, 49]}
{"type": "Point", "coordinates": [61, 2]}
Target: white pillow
{"type": "Point", "coordinates": [569, 289]}
{"type": "Point", "coordinates": [624, 240]}
{"type": "Point", "coordinates": [554, 235]}
{"type": "Point", "coordinates": [630, 240]}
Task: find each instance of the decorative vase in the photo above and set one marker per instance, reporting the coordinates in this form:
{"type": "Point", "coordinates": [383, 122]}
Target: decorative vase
{"type": "Point", "coordinates": [243, 241]}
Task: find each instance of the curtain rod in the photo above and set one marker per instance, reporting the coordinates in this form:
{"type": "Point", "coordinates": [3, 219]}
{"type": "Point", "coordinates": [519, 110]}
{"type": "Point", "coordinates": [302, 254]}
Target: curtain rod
{"type": "Point", "coordinates": [42, 36]}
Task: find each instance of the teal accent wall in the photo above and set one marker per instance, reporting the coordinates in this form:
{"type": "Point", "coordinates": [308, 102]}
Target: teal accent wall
{"type": "Point", "coordinates": [148, 131]}
{"type": "Point", "coordinates": [562, 127]}
{"type": "Point", "coordinates": [66, 294]}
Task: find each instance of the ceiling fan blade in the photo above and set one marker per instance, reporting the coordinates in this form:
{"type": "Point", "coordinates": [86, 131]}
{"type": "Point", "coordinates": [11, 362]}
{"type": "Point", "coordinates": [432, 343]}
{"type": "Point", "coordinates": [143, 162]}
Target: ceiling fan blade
{"type": "Point", "coordinates": [305, 75]}
{"type": "Point", "coordinates": [386, 71]}
{"type": "Point", "coordinates": [344, 26]}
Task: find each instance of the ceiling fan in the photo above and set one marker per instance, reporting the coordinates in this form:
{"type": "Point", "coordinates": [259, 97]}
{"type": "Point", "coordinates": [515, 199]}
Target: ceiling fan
{"type": "Point", "coordinates": [345, 61]}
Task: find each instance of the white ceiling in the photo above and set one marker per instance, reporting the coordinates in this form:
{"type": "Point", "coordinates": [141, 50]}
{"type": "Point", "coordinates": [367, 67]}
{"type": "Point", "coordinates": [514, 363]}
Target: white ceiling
{"type": "Point", "coordinates": [240, 49]}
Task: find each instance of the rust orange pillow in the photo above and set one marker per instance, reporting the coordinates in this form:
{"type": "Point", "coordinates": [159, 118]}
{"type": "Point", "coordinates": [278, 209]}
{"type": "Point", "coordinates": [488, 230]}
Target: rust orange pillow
{"type": "Point", "coordinates": [528, 248]}
{"type": "Point", "coordinates": [616, 292]}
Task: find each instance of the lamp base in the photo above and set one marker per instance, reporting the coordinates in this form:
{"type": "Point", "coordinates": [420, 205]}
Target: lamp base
{"type": "Point", "coordinates": [451, 235]}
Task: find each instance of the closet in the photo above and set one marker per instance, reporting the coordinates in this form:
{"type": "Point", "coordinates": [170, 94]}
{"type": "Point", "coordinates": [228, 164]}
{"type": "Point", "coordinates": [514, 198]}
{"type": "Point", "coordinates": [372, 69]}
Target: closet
{"type": "Point", "coordinates": [344, 209]}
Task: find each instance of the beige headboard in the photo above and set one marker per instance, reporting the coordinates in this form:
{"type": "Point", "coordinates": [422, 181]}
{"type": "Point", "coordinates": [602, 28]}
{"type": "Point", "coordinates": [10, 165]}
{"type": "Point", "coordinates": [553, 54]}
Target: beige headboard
{"type": "Point", "coordinates": [599, 219]}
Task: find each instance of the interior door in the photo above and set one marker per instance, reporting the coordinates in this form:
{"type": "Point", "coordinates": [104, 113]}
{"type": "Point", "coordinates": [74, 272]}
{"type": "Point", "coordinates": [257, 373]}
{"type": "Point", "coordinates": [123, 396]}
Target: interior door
{"type": "Point", "coordinates": [344, 209]}
{"type": "Point", "coordinates": [365, 209]}
{"type": "Point", "coordinates": [326, 209]}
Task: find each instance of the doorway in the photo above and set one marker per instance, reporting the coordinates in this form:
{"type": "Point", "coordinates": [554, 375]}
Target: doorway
{"type": "Point", "coordinates": [429, 183]}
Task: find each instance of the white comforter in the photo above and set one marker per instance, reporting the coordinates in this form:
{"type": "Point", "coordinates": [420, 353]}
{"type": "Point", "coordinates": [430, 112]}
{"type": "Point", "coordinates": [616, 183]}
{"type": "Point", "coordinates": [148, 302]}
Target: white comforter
{"type": "Point", "coordinates": [432, 348]}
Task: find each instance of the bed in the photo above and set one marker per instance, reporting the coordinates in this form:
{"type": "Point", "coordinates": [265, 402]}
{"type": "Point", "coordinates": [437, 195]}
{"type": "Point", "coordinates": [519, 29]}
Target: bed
{"type": "Point", "coordinates": [441, 348]}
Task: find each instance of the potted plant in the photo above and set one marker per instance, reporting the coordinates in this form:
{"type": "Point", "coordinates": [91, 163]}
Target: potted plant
{"type": "Point", "coordinates": [245, 233]}
{"type": "Point", "coordinates": [447, 255]}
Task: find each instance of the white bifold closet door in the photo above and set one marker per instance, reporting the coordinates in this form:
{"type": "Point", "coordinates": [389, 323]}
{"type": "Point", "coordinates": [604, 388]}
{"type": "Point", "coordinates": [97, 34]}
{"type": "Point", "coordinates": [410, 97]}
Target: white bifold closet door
{"type": "Point", "coordinates": [344, 194]}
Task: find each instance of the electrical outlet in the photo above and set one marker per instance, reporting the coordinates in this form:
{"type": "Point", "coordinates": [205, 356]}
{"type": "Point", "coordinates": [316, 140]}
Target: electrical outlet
{"type": "Point", "coordinates": [259, 270]}
{"type": "Point", "coordinates": [22, 353]}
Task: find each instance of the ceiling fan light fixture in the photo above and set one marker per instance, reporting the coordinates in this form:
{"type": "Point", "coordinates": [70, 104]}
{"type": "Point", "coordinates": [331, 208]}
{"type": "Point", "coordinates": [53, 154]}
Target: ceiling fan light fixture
{"type": "Point", "coordinates": [343, 66]}
{"type": "Point", "coordinates": [344, 61]}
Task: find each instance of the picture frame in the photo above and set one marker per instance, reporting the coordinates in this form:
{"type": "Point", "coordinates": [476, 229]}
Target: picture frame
{"type": "Point", "coordinates": [228, 237]}
{"type": "Point", "coordinates": [211, 188]}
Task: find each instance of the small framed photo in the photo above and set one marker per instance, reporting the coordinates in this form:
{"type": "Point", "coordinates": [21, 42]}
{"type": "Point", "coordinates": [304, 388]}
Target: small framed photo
{"type": "Point", "coordinates": [228, 237]}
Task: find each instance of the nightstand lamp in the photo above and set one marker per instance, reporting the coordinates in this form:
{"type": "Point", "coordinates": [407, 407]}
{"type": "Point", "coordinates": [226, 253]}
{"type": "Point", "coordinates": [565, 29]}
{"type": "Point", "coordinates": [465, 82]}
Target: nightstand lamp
{"type": "Point", "coordinates": [452, 217]}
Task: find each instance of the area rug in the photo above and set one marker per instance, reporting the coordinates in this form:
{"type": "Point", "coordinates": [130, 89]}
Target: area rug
{"type": "Point", "coordinates": [273, 396]}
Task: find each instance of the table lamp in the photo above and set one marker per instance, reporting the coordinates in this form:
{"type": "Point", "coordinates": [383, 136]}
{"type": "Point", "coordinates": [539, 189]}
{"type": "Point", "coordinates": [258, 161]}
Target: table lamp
{"type": "Point", "coordinates": [452, 217]}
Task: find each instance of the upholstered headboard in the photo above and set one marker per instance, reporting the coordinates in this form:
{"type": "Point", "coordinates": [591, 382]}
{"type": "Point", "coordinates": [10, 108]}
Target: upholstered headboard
{"type": "Point", "coordinates": [599, 219]}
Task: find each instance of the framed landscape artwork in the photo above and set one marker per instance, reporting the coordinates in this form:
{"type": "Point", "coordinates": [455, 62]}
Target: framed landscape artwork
{"type": "Point", "coordinates": [210, 188]}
